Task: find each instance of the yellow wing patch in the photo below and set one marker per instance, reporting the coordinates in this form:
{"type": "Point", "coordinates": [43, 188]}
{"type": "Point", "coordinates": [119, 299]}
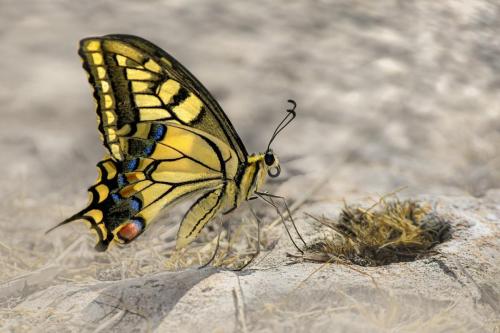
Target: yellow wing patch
{"type": "Point", "coordinates": [189, 110]}
{"type": "Point", "coordinates": [142, 100]}
{"type": "Point", "coordinates": [150, 193]}
{"type": "Point", "coordinates": [153, 114]}
{"type": "Point", "coordinates": [167, 90]}
{"type": "Point", "coordinates": [134, 188]}
{"type": "Point", "coordinates": [141, 75]}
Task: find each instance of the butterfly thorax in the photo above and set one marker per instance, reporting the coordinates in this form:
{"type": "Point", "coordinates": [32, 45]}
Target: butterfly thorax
{"type": "Point", "coordinates": [253, 177]}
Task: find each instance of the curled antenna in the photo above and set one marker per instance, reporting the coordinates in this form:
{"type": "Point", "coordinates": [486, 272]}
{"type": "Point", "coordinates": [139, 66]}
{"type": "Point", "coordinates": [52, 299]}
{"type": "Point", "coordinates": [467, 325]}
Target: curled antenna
{"type": "Point", "coordinates": [284, 123]}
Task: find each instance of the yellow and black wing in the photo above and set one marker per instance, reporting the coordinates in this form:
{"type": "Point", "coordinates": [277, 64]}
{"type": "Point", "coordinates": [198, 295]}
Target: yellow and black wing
{"type": "Point", "coordinates": [135, 82]}
{"type": "Point", "coordinates": [167, 139]}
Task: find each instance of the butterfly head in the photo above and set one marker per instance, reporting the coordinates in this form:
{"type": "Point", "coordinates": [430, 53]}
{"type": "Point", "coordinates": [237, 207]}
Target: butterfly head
{"type": "Point", "coordinates": [272, 163]}
{"type": "Point", "coordinates": [270, 159]}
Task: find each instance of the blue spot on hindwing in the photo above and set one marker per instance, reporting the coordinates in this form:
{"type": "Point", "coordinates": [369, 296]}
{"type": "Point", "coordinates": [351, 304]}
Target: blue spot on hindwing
{"type": "Point", "coordinates": [116, 197]}
{"type": "Point", "coordinates": [139, 224]}
{"type": "Point", "coordinates": [149, 149]}
{"type": "Point", "coordinates": [132, 164]}
{"type": "Point", "coordinates": [121, 180]}
{"type": "Point", "coordinates": [135, 205]}
{"type": "Point", "coordinates": [157, 132]}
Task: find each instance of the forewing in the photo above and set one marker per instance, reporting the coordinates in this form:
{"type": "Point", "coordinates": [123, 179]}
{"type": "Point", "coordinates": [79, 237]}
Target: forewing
{"type": "Point", "coordinates": [136, 82]}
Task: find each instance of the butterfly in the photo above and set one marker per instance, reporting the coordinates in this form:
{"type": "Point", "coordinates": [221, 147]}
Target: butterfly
{"type": "Point", "coordinates": [167, 139]}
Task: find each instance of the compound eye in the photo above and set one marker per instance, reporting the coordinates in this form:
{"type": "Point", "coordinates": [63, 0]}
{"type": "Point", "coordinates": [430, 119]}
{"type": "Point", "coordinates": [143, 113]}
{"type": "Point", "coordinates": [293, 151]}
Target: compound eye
{"type": "Point", "coordinates": [269, 158]}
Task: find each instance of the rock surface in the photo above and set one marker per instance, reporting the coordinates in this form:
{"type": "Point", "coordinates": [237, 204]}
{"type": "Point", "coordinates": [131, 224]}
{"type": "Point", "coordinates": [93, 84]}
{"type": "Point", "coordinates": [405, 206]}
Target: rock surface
{"type": "Point", "coordinates": [390, 94]}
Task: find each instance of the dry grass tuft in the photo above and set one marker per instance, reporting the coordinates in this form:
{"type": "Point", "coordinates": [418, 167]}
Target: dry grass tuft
{"type": "Point", "coordinates": [385, 233]}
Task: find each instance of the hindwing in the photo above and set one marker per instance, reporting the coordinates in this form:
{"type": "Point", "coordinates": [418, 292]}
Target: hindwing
{"type": "Point", "coordinates": [160, 171]}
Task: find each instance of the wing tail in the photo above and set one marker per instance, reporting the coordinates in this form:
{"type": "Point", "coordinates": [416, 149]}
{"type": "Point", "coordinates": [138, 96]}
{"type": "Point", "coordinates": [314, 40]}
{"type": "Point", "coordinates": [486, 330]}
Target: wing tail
{"type": "Point", "coordinates": [77, 216]}
{"type": "Point", "coordinates": [99, 198]}
{"type": "Point", "coordinates": [102, 242]}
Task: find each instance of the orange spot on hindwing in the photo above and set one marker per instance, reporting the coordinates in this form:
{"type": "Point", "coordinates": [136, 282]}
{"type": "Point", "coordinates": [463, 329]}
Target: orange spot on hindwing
{"type": "Point", "coordinates": [130, 230]}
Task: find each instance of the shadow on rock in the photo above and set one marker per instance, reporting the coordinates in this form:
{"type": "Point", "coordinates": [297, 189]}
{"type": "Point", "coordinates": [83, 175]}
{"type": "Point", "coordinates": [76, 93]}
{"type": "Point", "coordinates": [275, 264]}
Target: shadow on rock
{"type": "Point", "coordinates": [141, 303]}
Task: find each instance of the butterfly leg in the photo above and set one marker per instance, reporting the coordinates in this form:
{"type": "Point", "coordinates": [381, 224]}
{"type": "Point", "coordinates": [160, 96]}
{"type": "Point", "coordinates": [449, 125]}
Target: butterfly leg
{"type": "Point", "coordinates": [292, 220]}
{"type": "Point", "coordinates": [257, 219]}
{"type": "Point", "coordinates": [267, 198]}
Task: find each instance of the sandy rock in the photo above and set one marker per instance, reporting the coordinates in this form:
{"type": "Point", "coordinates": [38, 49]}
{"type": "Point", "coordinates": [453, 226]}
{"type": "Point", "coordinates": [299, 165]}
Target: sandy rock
{"type": "Point", "coordinates": [454, 289]}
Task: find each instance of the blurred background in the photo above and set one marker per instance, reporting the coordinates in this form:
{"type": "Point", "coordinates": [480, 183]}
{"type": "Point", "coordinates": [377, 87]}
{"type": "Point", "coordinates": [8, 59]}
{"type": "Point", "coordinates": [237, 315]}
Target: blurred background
{"type": "Point", "coordinates": [390, 94]}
